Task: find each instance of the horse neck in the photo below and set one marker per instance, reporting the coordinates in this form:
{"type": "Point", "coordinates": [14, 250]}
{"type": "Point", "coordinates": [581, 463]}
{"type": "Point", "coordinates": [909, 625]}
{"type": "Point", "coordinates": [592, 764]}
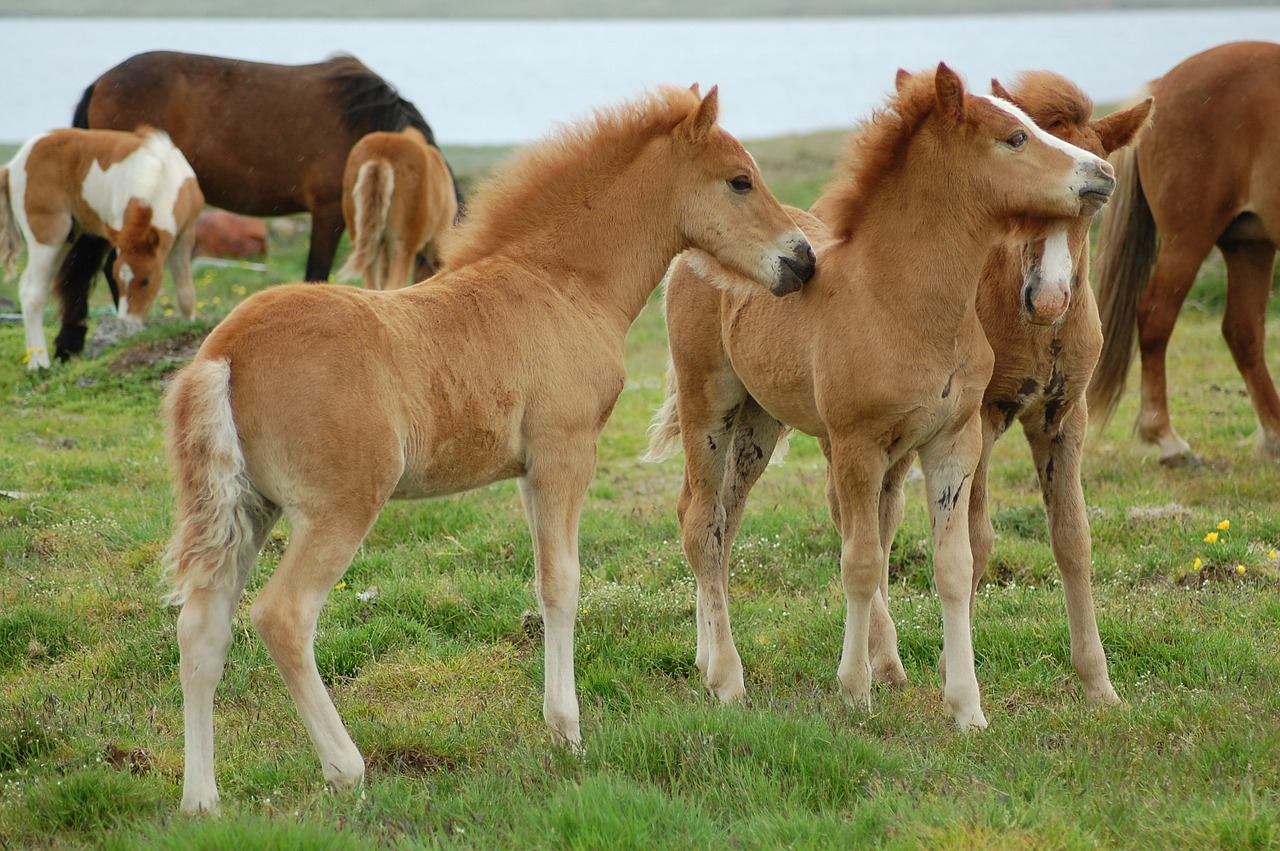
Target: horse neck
{"type": "Point", "coordinates": [614, 257]}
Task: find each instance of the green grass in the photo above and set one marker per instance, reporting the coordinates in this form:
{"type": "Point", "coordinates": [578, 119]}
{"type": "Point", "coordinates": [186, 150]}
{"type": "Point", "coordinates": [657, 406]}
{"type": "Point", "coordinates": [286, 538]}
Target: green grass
{"type": "Point", "coordinates": [439, 674]}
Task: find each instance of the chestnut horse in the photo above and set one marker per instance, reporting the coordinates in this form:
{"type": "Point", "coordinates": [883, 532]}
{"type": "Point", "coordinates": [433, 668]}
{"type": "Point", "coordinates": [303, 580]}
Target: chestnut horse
{"type": "Point", "coordinates": [1041, 320]}
{"type": "Point", "coordinates": [1204, 173]}
{"type": "Point", "coordinates": [506, 365]}
{"type": "Point", "coordinates": [397, 198]}
{"type": "Point", "coordinates": [133, 190]}
{"type": "Point", "coordinates": [879, 357]}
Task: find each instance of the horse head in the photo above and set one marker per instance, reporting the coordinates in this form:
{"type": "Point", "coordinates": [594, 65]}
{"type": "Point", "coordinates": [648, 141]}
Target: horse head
{"type": "Point", "coordinates": [1055, 263]}
{"type": "Point", "coordinates": [727, 211]}
{"type": "Point", "coordinates": [139, 264]}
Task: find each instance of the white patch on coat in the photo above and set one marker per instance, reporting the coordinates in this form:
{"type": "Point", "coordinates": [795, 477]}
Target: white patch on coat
{"type": "Point", "coordinates": [1056, 265]}
{"type": "Point", "coordinates": [154, 173]}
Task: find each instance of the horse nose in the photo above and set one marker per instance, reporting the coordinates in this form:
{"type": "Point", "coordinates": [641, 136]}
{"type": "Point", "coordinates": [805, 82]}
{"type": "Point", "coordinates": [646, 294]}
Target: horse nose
{"type": "Point", "coordinates": [796, 270]}
{"type": "Point", "coordinates": [1096, 188]}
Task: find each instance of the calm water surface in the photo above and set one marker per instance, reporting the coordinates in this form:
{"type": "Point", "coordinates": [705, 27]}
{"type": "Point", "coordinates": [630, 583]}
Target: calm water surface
{"type": "Point", "coordinates": [482, 82]}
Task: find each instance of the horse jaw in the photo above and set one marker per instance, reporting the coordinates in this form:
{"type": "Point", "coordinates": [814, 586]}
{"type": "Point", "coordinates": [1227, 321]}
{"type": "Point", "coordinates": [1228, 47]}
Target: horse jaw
{"type": "Point", "coordinates": [1046, 287]}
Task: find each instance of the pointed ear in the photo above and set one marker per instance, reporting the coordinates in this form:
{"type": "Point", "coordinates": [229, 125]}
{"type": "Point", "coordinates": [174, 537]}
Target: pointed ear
{"type": "Point", "coordinates": [1122, 128]}
{"type": "Point", "coordinates": [153, 239]}
{"type": "Point", "coordinates": [695, 90]}
{"type": "Point", "coordinates": [900, 78]}
{"type": "Point", "coordinates": [949, 90]}
{"type": "Point", "coordinates": [696, 127]}
{"type": "Point", "coordinates": [1000, 91]}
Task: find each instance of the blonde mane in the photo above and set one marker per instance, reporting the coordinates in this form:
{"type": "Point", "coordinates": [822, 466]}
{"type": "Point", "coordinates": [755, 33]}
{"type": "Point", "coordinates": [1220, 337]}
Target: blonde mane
{"type": "Point", "coordinates": [872, 151]}
{"type": "Point", "coordinates": [549, 176]}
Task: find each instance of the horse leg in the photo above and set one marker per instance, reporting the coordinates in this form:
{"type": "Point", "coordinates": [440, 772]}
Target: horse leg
{"type": "Point", "coordinates": [949, 464]}
{"type": "Point", "coordinates": [1175, 271]}
{"type": "Point", "coordinates": [400, 263]}
{"type": "Point", "coordinates": [857, 478]}
{"type": "Point", "coordinates": [707, 428]}
{"type": "Point", "coordinates": [33, 292]}
{"type": "Point", "coordinates": [204, 636]}
{"type": "Point", "coordinates": [285, 612]}
{"type": "Point", "coordinates": [326, 231]}
{"type": "Point", "coordinates": [1057, 460]}
{"type": "Point", "coordinates": [1249, 267]}
{"type": "Point", "coordinates": [552, 492]}
{"type": "Point", "coordinates": [982, 535]}
{"type": "Point", "coordinates": [179, 263]}
{"type": "Point", "coordinates": [73, 285]}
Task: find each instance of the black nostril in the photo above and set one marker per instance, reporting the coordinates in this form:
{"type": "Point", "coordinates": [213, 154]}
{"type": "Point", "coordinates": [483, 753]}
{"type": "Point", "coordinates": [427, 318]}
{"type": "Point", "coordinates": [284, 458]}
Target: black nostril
{"type": "Point", "coordinates": [803, 263]}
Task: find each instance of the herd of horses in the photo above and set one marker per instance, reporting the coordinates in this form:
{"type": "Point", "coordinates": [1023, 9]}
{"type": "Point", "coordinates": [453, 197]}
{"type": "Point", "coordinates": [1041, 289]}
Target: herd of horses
{"type": "Point", "coordinates": [936, 292]}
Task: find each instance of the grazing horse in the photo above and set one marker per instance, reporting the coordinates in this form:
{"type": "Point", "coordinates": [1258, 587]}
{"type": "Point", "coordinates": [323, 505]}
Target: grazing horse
{"type": "Point", "coordinates": [397, 198]}
{"type": "Point", "coordinates": [223, 234]}
{"type": "Point", "coordinates": [506, 365]}
{"type": "Point", "coordinates": [1041, 320]}
{"type": "Point", "coordinates": [1204, 173]}
{"type": "Point", "coordinates": [133, 190]}
{"type": "Point", "coordinates": [881, 356]}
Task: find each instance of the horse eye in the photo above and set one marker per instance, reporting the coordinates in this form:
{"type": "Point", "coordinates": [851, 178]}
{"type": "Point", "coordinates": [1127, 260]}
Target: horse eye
{"type": "Point", "coordinates": [741, 184]}
{"type": "Point", "coordinates": [1017, 139]}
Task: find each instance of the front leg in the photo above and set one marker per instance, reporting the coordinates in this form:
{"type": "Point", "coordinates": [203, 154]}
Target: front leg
{"type": "Point", "coordinates": [559, 472]}
{"type": "Point", "coordinates": [949, 465]}
{"type": "Point", "coordinates": [179, 263]}
{"type": "Point", "coordinates": [856, 474]}
{"type": "Point", "coordinates": [1057, 459]}
{"type": "Point", "coordinates": [33, 291]}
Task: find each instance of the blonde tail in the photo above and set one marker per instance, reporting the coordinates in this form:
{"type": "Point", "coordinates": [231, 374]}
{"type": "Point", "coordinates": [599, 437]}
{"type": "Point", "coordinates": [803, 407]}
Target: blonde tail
{"type": "Point", "coordinates": [664, 429]}
{"type": "Point", "coordinates": [217, 505]}
{"type": "Point", "coordinates": [11, 242]}
{"type": "Point", "coordinates": [371, 197]}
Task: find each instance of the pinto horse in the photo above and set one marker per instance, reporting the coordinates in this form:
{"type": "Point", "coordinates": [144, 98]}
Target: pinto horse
{"type": "Point", "coordinates": [1203, 173]}
{"type": "Point", "coordinates": [506, 365]}
{"type": "Point", "coordinates": [1041, 320]}
{"type": "Point", "coordinates": [881, 356]}
{"type": "Point", "coordinates": [133, 190]}
{"type": "Point", "coordinates": [397, 198]}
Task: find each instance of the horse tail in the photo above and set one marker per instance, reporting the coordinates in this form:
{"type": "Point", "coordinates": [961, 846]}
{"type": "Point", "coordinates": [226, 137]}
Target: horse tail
{"type": "Point", "coordinates": [664, 429]}
{"type": "Point", "coordinates": [81, 117]}
{"type": "Point", "coordinates": [214, 531]}
{"type": "Point", "coordinates": [11, 242]}
{"type": "Point", "coordinates": [371, 197]}
{"type": "Point", "coordinates": [1127, 251]}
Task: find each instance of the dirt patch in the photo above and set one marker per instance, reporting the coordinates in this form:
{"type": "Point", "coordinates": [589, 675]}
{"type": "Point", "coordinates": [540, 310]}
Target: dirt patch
{"type": "Point", "coordinates": [175, 350]}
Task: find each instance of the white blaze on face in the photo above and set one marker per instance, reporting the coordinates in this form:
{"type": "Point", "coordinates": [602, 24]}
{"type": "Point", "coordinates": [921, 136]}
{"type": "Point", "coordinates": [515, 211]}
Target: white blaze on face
{"type": "Point", "coordinates": [153, 173]}
{"type": "Point", "coordinates": [1080, 155]}
{"type": "Point", "coordinates": [1056, 266]}
{"type": "Point", "coordinates": [124, 277]}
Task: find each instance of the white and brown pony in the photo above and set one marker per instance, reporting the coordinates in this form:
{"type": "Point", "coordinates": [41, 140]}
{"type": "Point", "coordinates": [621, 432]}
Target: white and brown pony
{"type": "Point", "coordinates": [1204, 173]}
{"type": "Point", "coordinates": [1040, 317]}
{"type": "Point", "coordinates": [398, 197]}
{"type": "Point", "coordinates": [505, 366]}
{"type": "Point", "coordinates": [134, 189]}
{"type": "Point", "coordinates": [881, 356]}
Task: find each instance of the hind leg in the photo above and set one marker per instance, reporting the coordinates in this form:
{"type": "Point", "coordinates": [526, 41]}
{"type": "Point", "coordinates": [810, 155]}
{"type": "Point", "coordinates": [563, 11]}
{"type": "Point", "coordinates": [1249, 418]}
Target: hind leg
{"type": "Point", "coordinates": [1057, 460]}
{"type": "Point", "coordinates": [204, 636]}
{"type": "Point", "coordinates": [552, 493]}
{"type": "Point", "coordinates": [33, 291]}
{"type": "Point", "coordinates": [285, 612]}
{"type": "Point", "coordinates": [399, 267]}
{"type": "Point", "coordinates": [1249, 267]}
{"type": "Point", "coordinates": [179, 263]}
{"type": "Point", "coordinates": [1175, 270]}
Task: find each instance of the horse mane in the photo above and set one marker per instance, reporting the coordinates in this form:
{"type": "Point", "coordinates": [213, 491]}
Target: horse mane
{"type": "Point", "coordinates": [544, 177]}
{"type": "Point", "coordinates": [136, 235]}
{"type": "Point", "coordinates": [1051, 99]}
{"type": "Point", "coordinates": [872, 152]}
{"type": "Point", "coordinates": [370, 103]}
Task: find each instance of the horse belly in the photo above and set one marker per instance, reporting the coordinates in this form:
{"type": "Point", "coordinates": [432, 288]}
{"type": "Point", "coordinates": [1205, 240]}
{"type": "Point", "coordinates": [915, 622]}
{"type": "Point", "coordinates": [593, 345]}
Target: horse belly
{"type": "Point", "coordinates": [459, 462]}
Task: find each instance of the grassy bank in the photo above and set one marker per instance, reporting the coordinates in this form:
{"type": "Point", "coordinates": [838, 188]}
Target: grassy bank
{"type": "Point", "coordinates": [431, 662]}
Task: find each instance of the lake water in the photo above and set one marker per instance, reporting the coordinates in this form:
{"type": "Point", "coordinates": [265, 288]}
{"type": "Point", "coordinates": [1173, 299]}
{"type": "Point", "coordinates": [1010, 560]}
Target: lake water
{"type": "Point", "coordinates": [489, 82]}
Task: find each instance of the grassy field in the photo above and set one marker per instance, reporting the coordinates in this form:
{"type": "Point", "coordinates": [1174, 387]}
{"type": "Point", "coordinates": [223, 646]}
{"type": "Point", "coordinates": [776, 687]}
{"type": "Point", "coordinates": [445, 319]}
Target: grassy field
{"type": "Point", "coordinates": [433, 665]}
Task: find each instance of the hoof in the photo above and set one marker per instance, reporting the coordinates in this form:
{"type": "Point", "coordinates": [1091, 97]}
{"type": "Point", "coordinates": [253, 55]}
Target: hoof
{"type": "Point", "coordinates": [1180, 459]}
{"type": "Point", "coordinates": [890, 674]}
{"type": "Point", "coordinates": [211, 808]}
{"type": "Point", "coordinates": [1103, 697]}
{"type": "Point", "coordinates": [971, 722]}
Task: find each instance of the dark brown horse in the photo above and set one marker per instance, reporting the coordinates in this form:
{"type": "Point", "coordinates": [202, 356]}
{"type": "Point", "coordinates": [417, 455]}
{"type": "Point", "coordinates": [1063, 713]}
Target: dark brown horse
{"type": "Point", "coordinates": [1204, 173]}
{"type": "Point", "coordinates": [264, 140]}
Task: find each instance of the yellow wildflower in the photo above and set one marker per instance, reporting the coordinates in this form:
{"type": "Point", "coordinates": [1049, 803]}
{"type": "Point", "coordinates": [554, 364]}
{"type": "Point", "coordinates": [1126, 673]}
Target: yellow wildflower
{"type": "Point", "coordinates": [1224, 525]}
{"type": "Point", "coordinates": [1272, 554]}
{"type": "Point", "coordinates": [1211, 538]}
{"type": "Point", "coordinates": [1197, 564]}
{"type": "Point", "coordinates": [1240, 568]}
{"type": "Point", "coordinates": [340, 586]}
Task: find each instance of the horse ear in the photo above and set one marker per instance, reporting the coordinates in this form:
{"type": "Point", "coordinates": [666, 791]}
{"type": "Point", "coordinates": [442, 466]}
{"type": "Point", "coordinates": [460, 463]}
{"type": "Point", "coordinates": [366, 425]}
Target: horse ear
{"type": "Point", "coordinates": [153, 239]}
{"type": "Point", "coordinates": [695, 90]}
{"type": "Point", "coordinates": [900, 78]}
{"type": "Point", "coordinates": [949, 90]}
{"type": "Point", "coordinates": [1122, 128]}
{"type": "Point", "coordinates": [696, 127]}
{"type": "Point", "coordinates": [1000, 91]}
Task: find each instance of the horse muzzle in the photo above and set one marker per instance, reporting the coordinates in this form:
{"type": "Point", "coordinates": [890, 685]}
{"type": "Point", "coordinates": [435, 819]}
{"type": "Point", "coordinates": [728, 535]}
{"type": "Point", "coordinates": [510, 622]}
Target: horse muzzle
{"type": "Point", "coordinates": [795, 271]}
{"type": "Point", "coordinates": [1044, 304]}
{"type": "Point", "coordinates": [1095, 191]}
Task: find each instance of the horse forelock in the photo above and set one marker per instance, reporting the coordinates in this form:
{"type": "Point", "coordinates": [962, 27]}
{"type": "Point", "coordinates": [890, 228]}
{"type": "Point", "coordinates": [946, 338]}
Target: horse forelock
{"type": "Point", "coordinates": [1051, 99]}
{"type": "Point", "coordinates": [871, 152]}
{"type": "Point", "coordinates": [135, 235]}
{"type": "Point", "coordinates": [550, 173]}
